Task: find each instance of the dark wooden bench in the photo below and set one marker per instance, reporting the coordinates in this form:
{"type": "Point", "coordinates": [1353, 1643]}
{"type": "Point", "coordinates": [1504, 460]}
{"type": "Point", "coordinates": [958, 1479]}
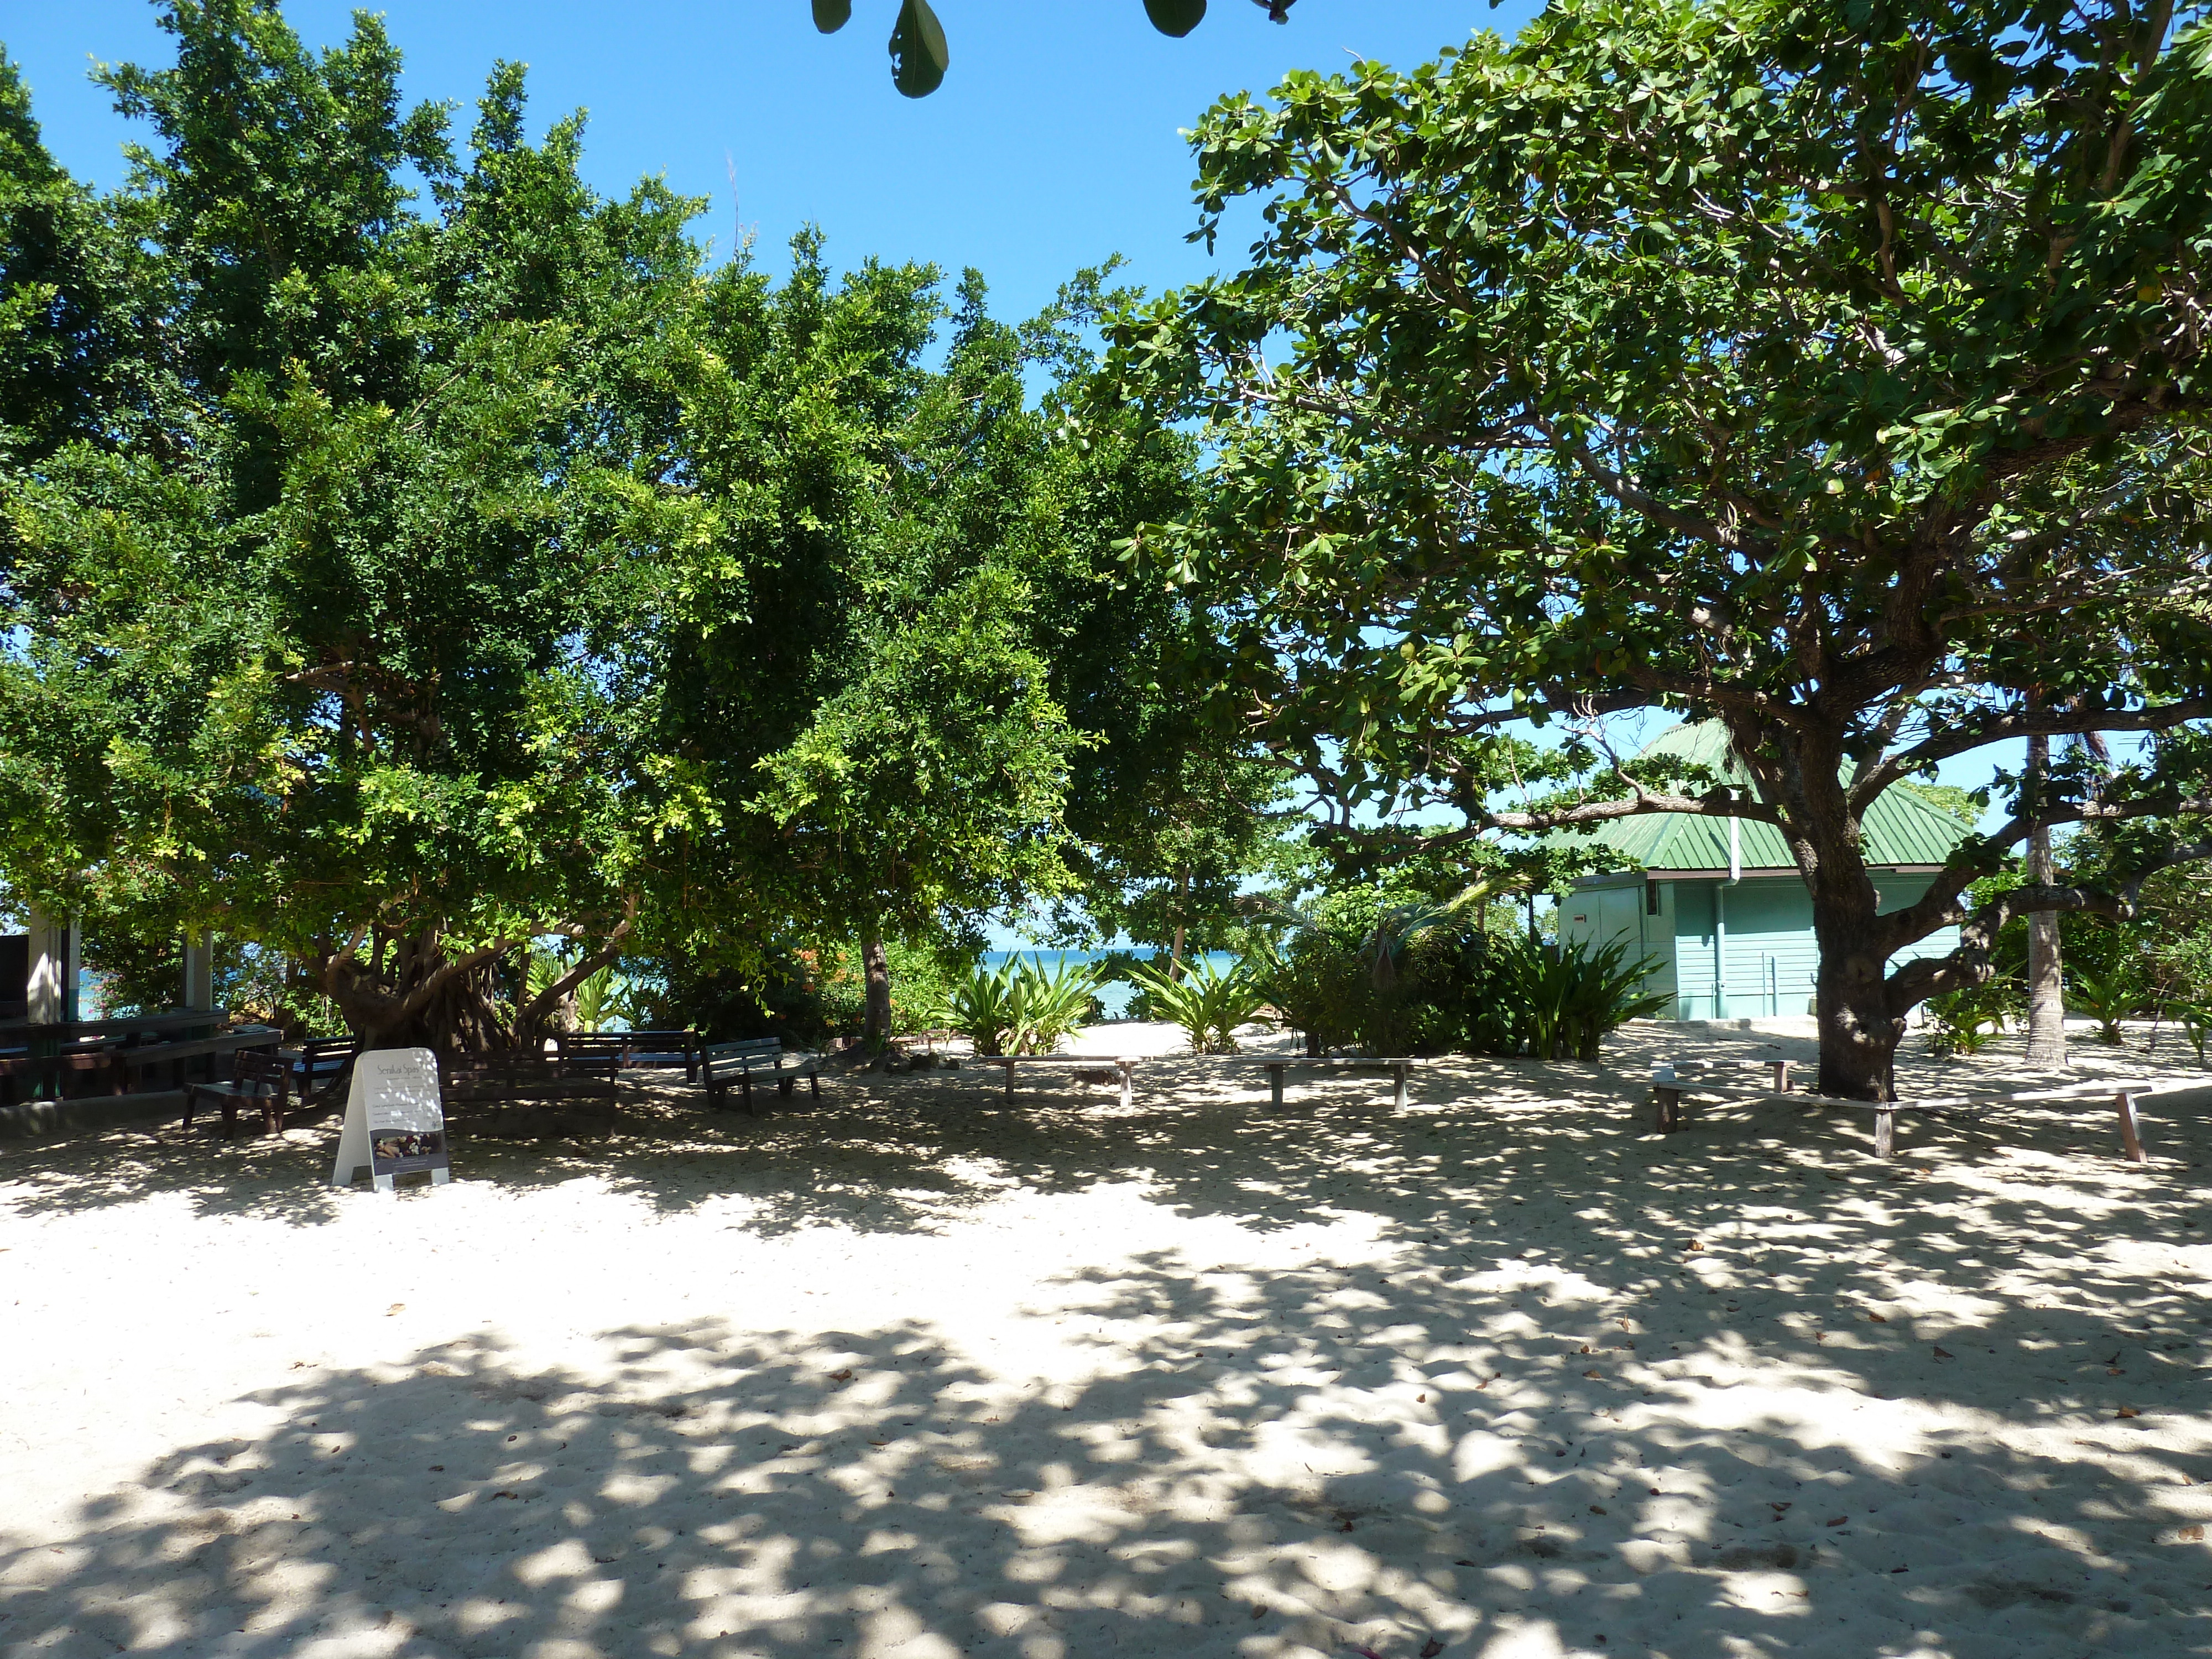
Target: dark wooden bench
{"type": "Point", "coordinates": [479, 1078]}
{"type": "Point", "coordinates": [260, 1077]}
{"type": "Point", "coordinates": [726, 1065]}
{"type": "Point", "coordinates": [319, 1058]}
{"type": "Point", "coordinates": [1673, 1079]}
{"type": "Point", "coordinates": [641, 1048]}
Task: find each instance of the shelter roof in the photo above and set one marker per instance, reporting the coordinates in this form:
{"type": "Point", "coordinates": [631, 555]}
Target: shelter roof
{"type": "Point", "coordinates": [1902, 830]}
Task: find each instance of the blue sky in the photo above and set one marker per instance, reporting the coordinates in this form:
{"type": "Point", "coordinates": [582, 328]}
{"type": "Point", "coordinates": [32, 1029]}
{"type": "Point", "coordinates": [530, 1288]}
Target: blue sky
{"type": "Point", "coordinates": [1054, 142]}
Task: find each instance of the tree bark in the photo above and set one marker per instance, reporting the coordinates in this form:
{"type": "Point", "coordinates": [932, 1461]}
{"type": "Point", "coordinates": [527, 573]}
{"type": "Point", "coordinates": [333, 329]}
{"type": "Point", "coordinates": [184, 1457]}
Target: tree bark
{"type": "Point", "coordinates": [1859, 1033]}
{"type": "Point", "coordinates": [1183, 903]}
{"type": "Point", "coordinates": [2046, 989]}
{"type": "Point", "coordinates": [876, 969]}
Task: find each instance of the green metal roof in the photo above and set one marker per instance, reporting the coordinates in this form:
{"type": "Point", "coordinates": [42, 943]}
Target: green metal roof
{"type": "Point", "coordinates": [1900, 828]}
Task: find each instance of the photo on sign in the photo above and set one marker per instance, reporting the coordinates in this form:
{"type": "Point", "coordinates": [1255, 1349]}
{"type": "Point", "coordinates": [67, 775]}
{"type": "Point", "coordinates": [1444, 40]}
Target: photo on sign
{"type": "Point", "coordinates": [390, 1148]}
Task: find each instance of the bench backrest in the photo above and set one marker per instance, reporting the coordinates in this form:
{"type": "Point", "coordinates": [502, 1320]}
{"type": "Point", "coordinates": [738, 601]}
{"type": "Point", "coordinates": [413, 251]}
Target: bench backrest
{"type": "Point", "coordinates": [731, 1059]}
{"type": "Point", "coordinates": [261, 1068]}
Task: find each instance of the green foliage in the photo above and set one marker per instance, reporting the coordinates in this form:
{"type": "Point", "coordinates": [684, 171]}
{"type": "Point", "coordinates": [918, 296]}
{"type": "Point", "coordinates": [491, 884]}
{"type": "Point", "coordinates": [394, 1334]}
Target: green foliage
{"type": "Point", "coordinates": [1965, 1021]}
{"type": "Point", "coordinates": [400, 587]}
{"type": "Point", "coordinates": [1585, 373]}
{"type": "Point", "coordinates": [1020, 1007]}
{"type": "Point", "coordinates": [1208, 1002]}
{"type": "Point", "coordinates": [2107, 993]}
{"type": "Point", "coordinates": [1572, 997]}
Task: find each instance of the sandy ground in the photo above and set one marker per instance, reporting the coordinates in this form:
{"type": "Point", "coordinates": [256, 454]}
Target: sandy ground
{"type": "Point", "coordinates": [916, 1374]}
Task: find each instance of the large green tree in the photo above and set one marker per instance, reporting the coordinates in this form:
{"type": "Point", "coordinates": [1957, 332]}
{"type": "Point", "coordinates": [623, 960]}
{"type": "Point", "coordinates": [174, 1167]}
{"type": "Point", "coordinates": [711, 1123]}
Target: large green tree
{"type": "Point", "coordinates": [319, 620]}
{"type": "Point", "coordinates": [1834, 370]}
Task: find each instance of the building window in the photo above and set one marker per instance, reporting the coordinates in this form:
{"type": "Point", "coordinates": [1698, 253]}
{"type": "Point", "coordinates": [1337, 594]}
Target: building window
{"type": "Point", "coordinates": [1651, 898]}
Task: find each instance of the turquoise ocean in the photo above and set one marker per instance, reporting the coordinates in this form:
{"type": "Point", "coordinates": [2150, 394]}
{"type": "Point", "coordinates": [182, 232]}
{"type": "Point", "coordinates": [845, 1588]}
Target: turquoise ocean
{"type": "Point", "coordinates": [1116, 996]}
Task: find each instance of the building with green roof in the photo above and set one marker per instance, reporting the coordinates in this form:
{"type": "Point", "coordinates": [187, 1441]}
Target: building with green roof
{"type": "Point", "coordinates": [1717, 905]}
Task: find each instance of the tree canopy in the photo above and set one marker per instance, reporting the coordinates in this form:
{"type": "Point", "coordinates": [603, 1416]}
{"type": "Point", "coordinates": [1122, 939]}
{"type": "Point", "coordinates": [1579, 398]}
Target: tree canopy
{"type": "Point", "coordinates": [394, 585]}
{"type": "Point", "coordinates": [1834, 370]}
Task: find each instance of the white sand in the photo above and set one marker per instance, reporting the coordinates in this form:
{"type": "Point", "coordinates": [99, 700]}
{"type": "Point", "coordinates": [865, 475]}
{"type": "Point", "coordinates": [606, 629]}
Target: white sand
{"type": "Point", "coordinates": [917, 1375]}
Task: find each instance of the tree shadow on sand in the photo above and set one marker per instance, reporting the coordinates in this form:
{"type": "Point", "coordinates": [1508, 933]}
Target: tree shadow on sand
{"type": "Point", "coordinates": [1277, 1464]}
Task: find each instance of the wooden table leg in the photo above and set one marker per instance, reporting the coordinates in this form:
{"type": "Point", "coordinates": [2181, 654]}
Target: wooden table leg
{"type": "Point", "coordinates": [1398, 1100]}
{"type": "Point", "coordinates": [1885, 1134]}
{"type": "Point", "coordinates": [1668, 1113]}
{"type": "Point", "coordinates": [1781, 1077]}
{"type": "Point", "coordinates": [2130, 1129]}
{"type": "Point", "coordinates": [1007, 1066]}
{"type": "Point", "coordinates": [1128, 1082]}
{"type": "Point", "coordinates": [1275, 1082]}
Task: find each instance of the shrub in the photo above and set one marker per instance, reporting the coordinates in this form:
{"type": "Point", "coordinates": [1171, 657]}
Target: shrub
{"type": "Point", "coordinates": [1966, 1021]}
{"type": "Point", "coordinates": [1020, 1008]}
{"type": "Point", "coordinates": [1570, 1000]}
{"type": "Point", "coordinates": [1208, 1002]}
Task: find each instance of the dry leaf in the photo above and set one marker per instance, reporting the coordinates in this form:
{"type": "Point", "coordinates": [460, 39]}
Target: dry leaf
{"type": "Point", "coordinates": [1877, 1319]}
{"type": "Point", "coordinates": [2128, 1411]}
{"type": "Point", "coordinates": [1594, 1374]}
{"type": "Point", "coordinates": [1597, 1508]}
{"type": "Point", "coordinates": [396, 1307]}
{"type": "Point", "coordinates": [1776, 1508]}
{"type": "Point", "coordinates": [1838, 1521]}
{"type": "Point", "coordinates": [1431, 1648]}
{"type": "Point", "coordinates": [2189, 1535]}
{"type": "Point", "coordinates": [840, 1376]}
{"type": "Point", "coordinates": [1695, 1244]}
{"type": "Point", "coordinates": [1945, 1353]}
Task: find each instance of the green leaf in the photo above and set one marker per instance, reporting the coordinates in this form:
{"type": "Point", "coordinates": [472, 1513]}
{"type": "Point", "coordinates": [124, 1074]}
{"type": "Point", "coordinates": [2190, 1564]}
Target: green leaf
{"type": "Point", "coordinates": [831, 15]}
{"type": "Point", "coordinates": [919, 54]}
{"type": "Point", "coordinates": [1176, 17]}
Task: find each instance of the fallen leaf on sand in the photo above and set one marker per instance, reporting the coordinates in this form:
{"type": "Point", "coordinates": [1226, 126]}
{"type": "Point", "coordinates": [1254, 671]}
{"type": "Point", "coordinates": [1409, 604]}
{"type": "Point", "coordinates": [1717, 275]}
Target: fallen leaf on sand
{"type": "Point", "coordinates": [1597, 1508]}
{"type": "Point", "coordinates": [1597, 1374]}
{"type": "Point", "coordinates": [1695, 1244]}
{"type": "Point", "coordinates": [396, 1307]}
{"type": "Point", "coordinates": [840, 1376]}
{"type": "Point", "coordinates": [1877, 1319]}
{"type": "Point", "coordinates": [1431, 1648]}
{"type": "Point", "coordinates": [2127, 1411]}
{"type": "Point", "coordinates": [1838, 1521]}
{"type": "Point", "coordinates": [1945, 1353]}
{"type": "Point", "coordinates": [2190, 1536]}
{"type": "Point", "coordinates": [1776, 1508]}
{"type": "Point", "coordinates": [1365, 1653]}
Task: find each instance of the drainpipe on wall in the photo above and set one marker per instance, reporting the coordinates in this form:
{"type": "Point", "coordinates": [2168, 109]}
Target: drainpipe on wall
{"type": "Point", "coordinates": [1720, 915]}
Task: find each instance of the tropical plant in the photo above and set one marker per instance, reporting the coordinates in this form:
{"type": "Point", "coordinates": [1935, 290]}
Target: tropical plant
{"type": "Point", "coordinates": [1569, 1000]}
{"type": "Point", "coordinates": [1020, 1007]}
{"type": "Point", "coordinates": [1317, 988]}
{"type": "Point", "coordinates": [2195, 1022]}
{"type": "Point", "coordinates": [1965, 1021]}
{"type": "Point", "coordinates": [1645, 361]}
{"type": "Point", "coordinates": [1208, 1002]}
{"type": "Point", "coordinates": [2107, 993]}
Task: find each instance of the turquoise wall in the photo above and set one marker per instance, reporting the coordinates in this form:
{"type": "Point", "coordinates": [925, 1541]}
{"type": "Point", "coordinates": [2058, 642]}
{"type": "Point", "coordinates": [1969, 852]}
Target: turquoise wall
{"type": "Point", "coordinates": [1729, 952]}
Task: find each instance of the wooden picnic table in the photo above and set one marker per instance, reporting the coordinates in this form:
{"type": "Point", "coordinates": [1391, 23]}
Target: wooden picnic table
{"type": "Point", "coordinates": [14, 1031]}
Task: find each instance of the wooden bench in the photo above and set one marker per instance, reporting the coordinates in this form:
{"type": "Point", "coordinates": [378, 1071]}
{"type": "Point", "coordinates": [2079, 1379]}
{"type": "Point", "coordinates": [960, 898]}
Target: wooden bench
{"type": "Point", "coordinates": [1673, 1079]}
{"type": "Point", "coordinates": [726, 1065]}
{"type": "Point", "coordinates": [2124, 1093]}
{"type": "Point", "coordinates": [1279, 1065]}
{"type": "Point", "coordinates": [317, 1058]}
{"type": "Point", "coordinates": [111, 1064]}
{"type": "Point", "coordinates": [485, 1078]}
{"type": "Point", "coordinates": [1124, 1065]}
{"type": "Point", "coordinates": [659, 1048]}
{"type": "Point", "coordinates": [260, 1076]}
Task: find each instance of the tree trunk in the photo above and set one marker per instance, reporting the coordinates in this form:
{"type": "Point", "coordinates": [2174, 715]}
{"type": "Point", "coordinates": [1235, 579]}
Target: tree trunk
{"type": "Point", "coordinates": [1183, 903]}
{"type": "Point", "coordinates": [1860, 1024]}
{"type": "Point", "coordinates": [2047, 990]}
{"type": "Point", "coordinates": [876, 968]}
